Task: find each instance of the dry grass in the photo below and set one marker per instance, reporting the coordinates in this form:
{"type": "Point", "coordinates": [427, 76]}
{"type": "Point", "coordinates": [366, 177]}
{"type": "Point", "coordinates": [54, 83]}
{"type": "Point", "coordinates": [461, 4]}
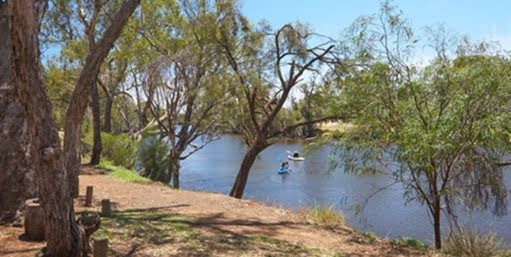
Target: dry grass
{"type": "Point", "coordinates": [469, 242]}
{"type": "Point", "coordinates": [322, 215]}
{"type": "Point", "coordinates": [339, 127]}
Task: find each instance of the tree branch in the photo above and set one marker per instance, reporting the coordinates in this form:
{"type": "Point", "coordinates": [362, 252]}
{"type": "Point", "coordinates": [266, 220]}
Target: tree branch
{"type": "Point", "coordinates": [303, 123]}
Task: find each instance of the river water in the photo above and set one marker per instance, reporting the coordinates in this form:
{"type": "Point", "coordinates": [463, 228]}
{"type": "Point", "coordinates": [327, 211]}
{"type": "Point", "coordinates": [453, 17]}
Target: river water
{"type": "Point", "coordinates": [313, 182]}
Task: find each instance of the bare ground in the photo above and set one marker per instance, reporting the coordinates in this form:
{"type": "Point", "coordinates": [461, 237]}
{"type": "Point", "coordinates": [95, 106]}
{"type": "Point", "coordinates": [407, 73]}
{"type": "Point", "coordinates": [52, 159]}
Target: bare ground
{"type": "Point", "coordinates": [226, 226]}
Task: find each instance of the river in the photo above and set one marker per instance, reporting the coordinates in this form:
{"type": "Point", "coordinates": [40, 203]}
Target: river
{"type": "Point", "coordinates": [312, 182]}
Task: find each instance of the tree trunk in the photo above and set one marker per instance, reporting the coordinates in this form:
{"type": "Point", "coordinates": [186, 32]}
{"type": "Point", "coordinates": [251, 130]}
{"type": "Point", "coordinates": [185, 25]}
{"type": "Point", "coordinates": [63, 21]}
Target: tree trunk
{"type": "Point", "coordinates": [166, 177]}
{"type": "Point", "coordinates": [437, 225]}
{"type": "Point", "coordinates": [107, 116]}
{"type": "Point", "coordinates": [311, 130]}
{"type": "Point", "coordinates": [143, 111]}
{"type": "Point", "coordinates": [142, 116]}
{"type": "Point", "coordinates": [83, 88]}
{"type": "Point", "coordinates": [96, 124]}
{"type": "Point", "coordinates": [175, 173]}
{"type": "Point", "coordinates": [238, 187]}
{"type": "Point", "coordinates": [17, 181]}
{"type": "Point", "coordinates": [63, 235]}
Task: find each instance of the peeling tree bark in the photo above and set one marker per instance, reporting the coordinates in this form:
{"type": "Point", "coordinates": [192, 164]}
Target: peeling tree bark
{"type": "Point", "coordinates": [16, 175]}
{"type": "Point", "coordinates": [83, 89]}
{"type": "Point", "coordinates": [63, 235]}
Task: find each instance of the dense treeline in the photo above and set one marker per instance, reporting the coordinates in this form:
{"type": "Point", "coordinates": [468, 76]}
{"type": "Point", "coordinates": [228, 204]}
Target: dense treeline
{"type": "Point", "coordinates": [169, 77]}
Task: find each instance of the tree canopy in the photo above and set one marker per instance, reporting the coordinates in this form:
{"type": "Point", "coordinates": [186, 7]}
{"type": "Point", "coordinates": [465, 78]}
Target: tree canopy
{"type": "Point", "coordinates": [445, 124]}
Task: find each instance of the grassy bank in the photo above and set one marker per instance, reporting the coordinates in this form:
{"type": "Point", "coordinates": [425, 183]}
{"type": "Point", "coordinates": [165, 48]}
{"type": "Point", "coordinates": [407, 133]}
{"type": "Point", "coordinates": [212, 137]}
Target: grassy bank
{"type": "Point", "coordinates": [122, 173]}
{"type": "Point", "coordinates": [326, 216]}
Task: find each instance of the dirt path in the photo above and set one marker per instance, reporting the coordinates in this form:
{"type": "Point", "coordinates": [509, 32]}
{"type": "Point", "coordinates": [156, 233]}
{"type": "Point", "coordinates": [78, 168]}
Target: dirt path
{"type": "Point", "coordinates": [216, 213]}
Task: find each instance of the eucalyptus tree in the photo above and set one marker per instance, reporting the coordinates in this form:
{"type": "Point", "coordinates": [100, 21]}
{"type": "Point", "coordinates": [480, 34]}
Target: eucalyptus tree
{"type": "Point", "coordinates": [63, 236]}
{"type": "Point", "coordinates": [84, 16]}
{"type": "Point", "coordinates": [186, 85]}
{"type": "Point", "coordinates": [21, 54]}
{"type": "Point", "coordinates": [444, 124]}
{"type": "Point", "coordinates": [111, 80]}
{"type": "Point", "coordinates": [122, 72]}
{"type": "Point", "coordinates": [17, 176]}
{"type": "Point", "coordinates": [266, 66]}
{"type": "Point", "coordinates": [150, 32]}
{"type": "Point", "coordinates": [72, 26]}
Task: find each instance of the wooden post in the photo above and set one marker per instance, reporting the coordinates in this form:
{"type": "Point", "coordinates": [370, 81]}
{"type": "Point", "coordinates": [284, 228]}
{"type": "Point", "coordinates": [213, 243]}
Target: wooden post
{"type": "Point", "coordinates": [106, 209]}
{"type": "Point", "coordinates": [88, 196]}
{"type": "Point", "coordinates": [90, 222]}
{"type": "Point", "coordinates": [100, 247]}
{"type": "Point", "coordinates": [34, 220]}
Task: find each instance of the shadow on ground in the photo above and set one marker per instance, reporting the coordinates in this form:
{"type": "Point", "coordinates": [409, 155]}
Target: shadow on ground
{"type": "Point", "coordinates": [152, 232]}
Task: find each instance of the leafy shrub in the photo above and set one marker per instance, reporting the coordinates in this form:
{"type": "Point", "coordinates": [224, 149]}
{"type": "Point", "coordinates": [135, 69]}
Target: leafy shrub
{"type": "Point", "coordinates": [469, 242]}
{"type": "Point", "coordinates": [152, 158]}
{"type": "Point", "coordinates": [86, 139]}
{"type": "Point", "coordinates": [120, 149]}
{"type": "Point", "coordinates": [410, 242]}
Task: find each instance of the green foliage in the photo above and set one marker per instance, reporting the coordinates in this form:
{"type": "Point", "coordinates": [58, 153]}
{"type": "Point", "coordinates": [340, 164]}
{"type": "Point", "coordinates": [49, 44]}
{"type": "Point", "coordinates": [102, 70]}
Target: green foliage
{"type": "Point", "coordinates": [411, 242]}
{"type": "Point", "coordinates": [120, 149]}
{"type": "Point", "coordinates": [189, 74]}
{"type": "Point", "coordinates": [152, 158]}
{"type": "Point", "coordinates": [370, 236]}
{"type": "Point", "coordinates": [468, 242]}
{"type": "Point", "coordinates": [319, 99]}
{"type": "Point", "coordinates": [122, 173]}
{"type": "Point", "coordinates": [439, 130]}
{"type": "Point", "coordinates": [451, 121]}
{"type": "Point", "coordinates": [59, 85]}
{"type": "Point", "coordinates": [123, 112]}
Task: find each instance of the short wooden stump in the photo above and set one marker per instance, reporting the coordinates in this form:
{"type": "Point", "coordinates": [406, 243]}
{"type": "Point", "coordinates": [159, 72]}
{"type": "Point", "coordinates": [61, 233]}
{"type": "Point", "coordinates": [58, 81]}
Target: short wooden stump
{"type": "Point", "coordinates": [106, 208]}
{"type": "Point", "coordinates": [88, 196]}
{"type": "Point", "coordinates": [100, 247]}
{"type": "Point", "coordinates": [34, 220]}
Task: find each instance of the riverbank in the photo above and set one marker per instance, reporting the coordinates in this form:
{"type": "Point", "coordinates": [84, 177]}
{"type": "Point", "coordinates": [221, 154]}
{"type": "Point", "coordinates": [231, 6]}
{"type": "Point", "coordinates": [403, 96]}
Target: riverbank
{"type": "Point", "coordinates": [154, 220]}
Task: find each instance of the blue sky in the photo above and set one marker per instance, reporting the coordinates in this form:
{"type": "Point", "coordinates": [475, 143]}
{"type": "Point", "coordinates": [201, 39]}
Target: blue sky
{"type": "Point", "coordinates": [480, 20]}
